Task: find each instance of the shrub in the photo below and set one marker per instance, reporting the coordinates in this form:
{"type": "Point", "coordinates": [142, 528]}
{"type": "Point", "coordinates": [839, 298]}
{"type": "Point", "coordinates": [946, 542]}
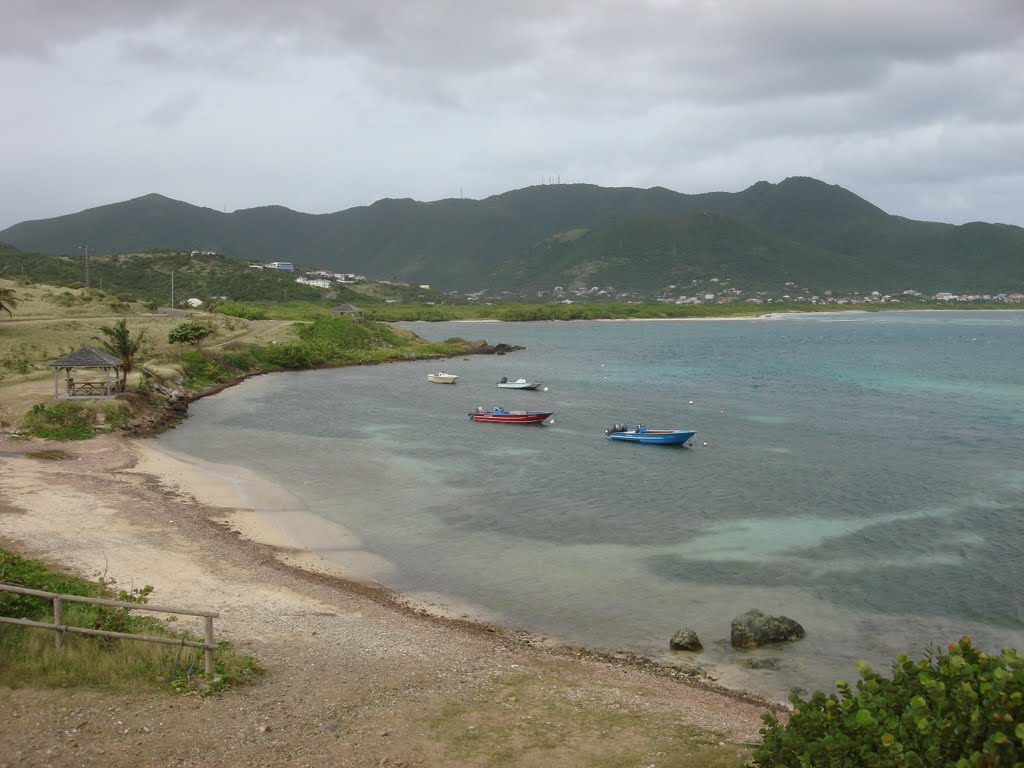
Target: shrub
{"type": "Point", "coordinates": [240, 360]}
{"type": "Point", "coordinates": [190, 332]}
{"type": "Point", "coordinates": [287, 356]}
{"type": "Point", "coordinates": [32, 574]}
{"type": "Point", "coordinates": [202, 372]}
{"type": "Point", "coordinates": [60, 421]}
{"type": "Point", "coordinates": [19, 359]}
{"type": "Point", "coordinates": [961, 708]}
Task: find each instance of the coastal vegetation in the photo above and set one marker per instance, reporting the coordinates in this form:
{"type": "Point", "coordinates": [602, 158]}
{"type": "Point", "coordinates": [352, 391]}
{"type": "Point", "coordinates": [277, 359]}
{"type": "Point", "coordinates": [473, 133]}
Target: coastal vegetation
{"type": "Point", "coordinates": [31, 656]}
{"type": "Point", "coordinates": [959, 707]}
{"type": "Point", "coordinates": [166, 353]}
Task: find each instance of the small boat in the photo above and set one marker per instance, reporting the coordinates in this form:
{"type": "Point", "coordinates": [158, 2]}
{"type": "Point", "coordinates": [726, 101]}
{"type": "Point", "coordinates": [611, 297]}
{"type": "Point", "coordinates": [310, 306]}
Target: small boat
{"type": "Point", "coordinates": [518, 384]}
{"type": "Point", "coordinates": [641, 434]}
{"type": "Point", "coordinates": [511, 417]}
{"type": "Point", "coordinates": [442, 378]}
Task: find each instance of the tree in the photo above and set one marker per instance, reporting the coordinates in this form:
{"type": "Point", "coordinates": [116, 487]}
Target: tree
{"type": "Point", "coordinates": [7, 300]}
{"type": "Point", "coordinates": [190, 332]}
{"type": "Point", "coordinates": [118, 341]}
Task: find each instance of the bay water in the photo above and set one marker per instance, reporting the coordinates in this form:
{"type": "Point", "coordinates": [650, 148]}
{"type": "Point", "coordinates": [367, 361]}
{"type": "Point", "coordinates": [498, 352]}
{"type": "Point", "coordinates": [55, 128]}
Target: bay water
{"type": "Point", "coordinates": [861, 473]}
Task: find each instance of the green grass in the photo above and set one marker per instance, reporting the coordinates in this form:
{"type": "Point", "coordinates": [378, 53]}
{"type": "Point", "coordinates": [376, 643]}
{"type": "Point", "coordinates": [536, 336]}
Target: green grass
{"type": "Point", "coordinates": [32, 658]}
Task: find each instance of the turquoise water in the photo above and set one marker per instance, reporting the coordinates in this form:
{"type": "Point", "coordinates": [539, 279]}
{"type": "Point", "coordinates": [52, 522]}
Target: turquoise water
{"type": "Point", "coordinates": [860, 473]}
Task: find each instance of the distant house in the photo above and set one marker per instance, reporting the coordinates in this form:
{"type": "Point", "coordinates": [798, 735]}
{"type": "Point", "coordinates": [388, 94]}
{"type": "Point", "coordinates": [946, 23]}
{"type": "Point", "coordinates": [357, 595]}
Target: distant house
{"type": "Point", "coordinates": [347, 310]}
{"type": "Point", "coordinates": [284, 266]}
{"type": "Point", "coordinates": [316, 282]}
{"type": "Point", "coordinates": [194, 303]}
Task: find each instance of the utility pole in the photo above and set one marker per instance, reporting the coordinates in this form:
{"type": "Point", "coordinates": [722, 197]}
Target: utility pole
{"type": "Point", "coordinates": [172, 289]}
{"type": "Point", "coordinates": [86, 248]}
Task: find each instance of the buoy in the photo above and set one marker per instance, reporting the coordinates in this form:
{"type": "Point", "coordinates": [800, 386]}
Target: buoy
{"type": "Point", "coordinates": [545, 389]}
{"type": "Point", "coordinates": [721, 411]}
{"type": "Point", "coordinates": [691, 402]}
{"type": "Point", "coordinates": [705, 442]}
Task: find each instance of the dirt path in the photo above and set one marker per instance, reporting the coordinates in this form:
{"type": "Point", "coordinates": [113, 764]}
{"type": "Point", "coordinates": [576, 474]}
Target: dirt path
{"type": "Point", "coordinates": [352, 678]}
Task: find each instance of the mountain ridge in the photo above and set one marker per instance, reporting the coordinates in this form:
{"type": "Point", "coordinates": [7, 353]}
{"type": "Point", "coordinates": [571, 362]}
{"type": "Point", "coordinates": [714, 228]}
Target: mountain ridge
{"type": "Point", "coordinates": [800, 230]}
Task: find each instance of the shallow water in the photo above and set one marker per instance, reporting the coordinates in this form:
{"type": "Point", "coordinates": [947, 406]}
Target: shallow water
{"type": "Point", "coordinates": [861, 473]}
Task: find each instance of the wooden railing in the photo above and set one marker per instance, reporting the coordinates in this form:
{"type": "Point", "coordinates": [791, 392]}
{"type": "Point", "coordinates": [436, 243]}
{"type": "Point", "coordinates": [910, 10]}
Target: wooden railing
{"type": "Point", "coordinates": [58, 625]}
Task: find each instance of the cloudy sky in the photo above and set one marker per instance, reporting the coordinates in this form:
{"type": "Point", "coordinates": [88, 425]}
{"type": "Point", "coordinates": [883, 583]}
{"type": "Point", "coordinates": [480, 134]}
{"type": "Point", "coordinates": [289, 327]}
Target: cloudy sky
{"type": "Point", "coordinates": [322, 105]}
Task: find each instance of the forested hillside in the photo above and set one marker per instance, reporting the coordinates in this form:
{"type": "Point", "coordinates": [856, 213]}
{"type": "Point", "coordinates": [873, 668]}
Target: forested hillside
{"type": "Point", "coordinates": [804, 231]}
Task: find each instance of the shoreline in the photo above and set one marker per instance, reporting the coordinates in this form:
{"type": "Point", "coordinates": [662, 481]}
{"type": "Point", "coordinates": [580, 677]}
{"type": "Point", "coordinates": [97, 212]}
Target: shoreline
{"type": "Point", "coordinates": [219, 498]}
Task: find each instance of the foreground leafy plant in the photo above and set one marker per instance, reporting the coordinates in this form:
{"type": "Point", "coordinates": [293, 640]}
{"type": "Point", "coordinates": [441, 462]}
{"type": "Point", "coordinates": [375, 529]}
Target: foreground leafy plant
{"type": "Point", "coordinates": [962, 708]}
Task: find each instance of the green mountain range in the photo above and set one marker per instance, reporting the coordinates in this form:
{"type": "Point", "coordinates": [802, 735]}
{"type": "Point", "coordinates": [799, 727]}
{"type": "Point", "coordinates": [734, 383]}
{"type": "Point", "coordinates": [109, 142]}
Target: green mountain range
{"type": "Point", "coordinates": [803, 231]}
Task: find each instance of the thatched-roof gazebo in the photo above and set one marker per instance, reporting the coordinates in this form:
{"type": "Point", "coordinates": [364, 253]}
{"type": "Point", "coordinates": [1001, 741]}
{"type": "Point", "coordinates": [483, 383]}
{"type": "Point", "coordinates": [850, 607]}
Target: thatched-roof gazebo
{"type": "Point", "coordinates": [347, 310]}
{"type": "Point", "coordinates": [86, 357]}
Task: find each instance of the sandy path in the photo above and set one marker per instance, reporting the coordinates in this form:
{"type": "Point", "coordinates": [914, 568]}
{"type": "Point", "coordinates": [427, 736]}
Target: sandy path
{"type": "Point", "coordinates": [352, 678]}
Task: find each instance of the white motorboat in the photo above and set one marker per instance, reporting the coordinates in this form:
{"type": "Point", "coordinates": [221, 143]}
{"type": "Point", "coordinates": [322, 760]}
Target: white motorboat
{"type": "Point", "coordinates": [442, 378]}
{"type": "Point", "coordinates": [518, 384]}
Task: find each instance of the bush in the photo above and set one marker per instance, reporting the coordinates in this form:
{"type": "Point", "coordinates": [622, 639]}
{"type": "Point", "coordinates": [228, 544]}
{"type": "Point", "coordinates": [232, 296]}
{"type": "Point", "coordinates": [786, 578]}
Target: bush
{"type": "Point", "coordinates": [286, 356]}
{"type": "Point", "coordinates": [61, 421]}
{"type": "Point", "coordinates": [32, 574]}
{"type": "Point", "coordinates": [202, 372]}
{"type": "Point", "coordinates": [962, 708]}
{"type": "Point", "coordinates": [190, 332]}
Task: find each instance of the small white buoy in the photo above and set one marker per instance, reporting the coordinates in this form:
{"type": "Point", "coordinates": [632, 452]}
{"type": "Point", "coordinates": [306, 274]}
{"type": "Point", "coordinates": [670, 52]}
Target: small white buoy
{"type": "Point", "coordinates": [691, 402]}
{"type": "Point", "coordinates": [705, 442]}
{"type": "Point", "coordinates": [721, 411]}
{"type": "Point", "coordinates": [545, 389]}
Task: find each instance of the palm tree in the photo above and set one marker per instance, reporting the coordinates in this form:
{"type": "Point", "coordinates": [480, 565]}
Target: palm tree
{"type": "Point", "coordinates": [118, 341]}
{"type": "Point", "coordinates": [7, 299]}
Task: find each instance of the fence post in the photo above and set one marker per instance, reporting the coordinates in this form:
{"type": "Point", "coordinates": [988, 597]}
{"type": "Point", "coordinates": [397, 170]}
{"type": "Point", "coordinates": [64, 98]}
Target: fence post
{"type": "Point", "coordinates": [208, 652]}
{"type": "Point", "coordinates": [58, 619]}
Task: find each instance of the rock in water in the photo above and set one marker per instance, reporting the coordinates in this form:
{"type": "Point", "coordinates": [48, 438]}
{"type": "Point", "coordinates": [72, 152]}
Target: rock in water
{"type": "Point", "coordinates": [685, 640]}
{"type": "Point", "coordinates": [755, 628]}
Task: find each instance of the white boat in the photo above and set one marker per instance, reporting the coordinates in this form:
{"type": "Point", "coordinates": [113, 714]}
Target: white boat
{"type": "Point", "coordinates": [442, 378]}
{"type": "Point", "coordinates": [518, 384]}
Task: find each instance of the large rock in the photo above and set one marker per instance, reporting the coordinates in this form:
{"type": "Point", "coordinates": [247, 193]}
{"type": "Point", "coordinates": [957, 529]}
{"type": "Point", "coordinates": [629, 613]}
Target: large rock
{"type": "Point", "coordinates": [685, 640]}
{"type": "Point", "coordinates": [754, 629]}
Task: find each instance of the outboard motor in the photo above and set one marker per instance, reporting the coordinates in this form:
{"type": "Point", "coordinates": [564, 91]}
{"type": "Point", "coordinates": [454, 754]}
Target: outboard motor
{"type": "Point", "coordinates": [504, 380]}
{"type": "Point", "coordinates": [615, 428]}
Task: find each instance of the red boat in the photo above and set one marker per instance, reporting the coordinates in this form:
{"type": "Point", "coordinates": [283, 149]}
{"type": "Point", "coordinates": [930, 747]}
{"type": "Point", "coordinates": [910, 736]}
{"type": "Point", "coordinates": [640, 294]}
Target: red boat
{"type": "Point", "coordinates": [511, 417]}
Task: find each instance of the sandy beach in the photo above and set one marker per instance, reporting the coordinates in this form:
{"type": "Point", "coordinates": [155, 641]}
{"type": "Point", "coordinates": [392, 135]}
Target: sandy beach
{"type": "Point", "coordinates": [355, 675]}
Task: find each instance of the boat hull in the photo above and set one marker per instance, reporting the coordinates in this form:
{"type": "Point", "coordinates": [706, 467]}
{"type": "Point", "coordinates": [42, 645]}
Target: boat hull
{"type": "Point", "coordinates": [513, 417]}
{"type": "Point", "coordinates": [654, 436]}
{"type": "Point", "coordinates": [442, 378]}
{"type": "Point", "coordinates": [513, 385]}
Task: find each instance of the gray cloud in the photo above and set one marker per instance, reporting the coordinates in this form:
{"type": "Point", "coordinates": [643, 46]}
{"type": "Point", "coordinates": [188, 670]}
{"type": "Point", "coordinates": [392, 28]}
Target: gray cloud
{"type": "Point", "coordinates": [918, 106]}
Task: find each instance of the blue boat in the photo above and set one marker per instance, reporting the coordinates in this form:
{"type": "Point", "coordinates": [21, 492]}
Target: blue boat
{"type": "Point", "coordinates": [641, 434]}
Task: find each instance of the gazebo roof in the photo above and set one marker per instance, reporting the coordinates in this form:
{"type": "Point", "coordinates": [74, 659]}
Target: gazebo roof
{"type": "Point", "coordinates": [86, 357]}
{"type": "Point", "coordinates": [346, 308]}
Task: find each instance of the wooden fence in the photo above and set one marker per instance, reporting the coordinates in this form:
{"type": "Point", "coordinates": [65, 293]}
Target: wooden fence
{"type": "Point", "coordinates": [58, 625]}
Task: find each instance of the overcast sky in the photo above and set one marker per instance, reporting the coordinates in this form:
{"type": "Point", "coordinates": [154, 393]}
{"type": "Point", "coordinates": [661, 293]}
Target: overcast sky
{"type": "Point", "coordinates": [322, 105]}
